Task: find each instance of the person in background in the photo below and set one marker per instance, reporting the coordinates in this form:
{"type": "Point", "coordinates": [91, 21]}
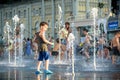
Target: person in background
{"type": "Point", "coordinates": [24, 46]}
{"type": "Point", "coordinates": [28, 47]}
{"type": "Point", "coordinates": [115, 45]}
{"type": "Point", "coordinates": [86, 43]}
{"type": "Point", "coordinates": [64, 33]}
{"type": "Point", "coordinates": [55, 51]}
{"type": "Point", "coordinates": [70, 43]}
{"type": "Point", "coordinates": [101, 43]}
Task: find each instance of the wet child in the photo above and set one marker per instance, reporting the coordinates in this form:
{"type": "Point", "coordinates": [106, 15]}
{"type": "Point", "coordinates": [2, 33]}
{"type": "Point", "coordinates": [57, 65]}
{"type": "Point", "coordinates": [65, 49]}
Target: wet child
{"type": "Point", "coordinates": [43, 49]}
{"type": "Point", "coordinates": [56, 49]}
{"type": "Point", "coordinates": [70, 43]}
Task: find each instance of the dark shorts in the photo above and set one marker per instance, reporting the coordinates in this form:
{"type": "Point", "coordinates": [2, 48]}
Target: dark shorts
{"type": "Point", "coordinates": [115, 51]}
{"type": "Point", "coordinates": [43, 55]}
{"type": "Point", "coordinates": [55, 53]}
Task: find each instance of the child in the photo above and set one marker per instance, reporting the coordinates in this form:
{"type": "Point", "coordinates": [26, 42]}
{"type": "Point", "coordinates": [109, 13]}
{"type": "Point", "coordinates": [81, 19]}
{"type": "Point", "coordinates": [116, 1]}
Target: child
{"type": "Point", "coordinates": [43, 50]}
{"type": "Point", "coordinates": [55, 51]}
{"type": "Point", "coordinates": [70, 40]}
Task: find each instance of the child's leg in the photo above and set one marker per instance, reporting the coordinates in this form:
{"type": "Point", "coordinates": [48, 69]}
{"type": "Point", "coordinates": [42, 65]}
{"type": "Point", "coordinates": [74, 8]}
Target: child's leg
{"type": "Point", "coordinates": [86, 53]}
{"type": "Point", "coordinates": [46, 57]}
{"type": "Point", "coordinates": [47, 67]}
{"type": "Point", "coordinates": [40, 59]}
{"type": "Point", "coordinates": [38, 65]}
{"type": "Point", "coordinates": [46, 64]}
{"type": "Point", "coordinates": [61, 55]}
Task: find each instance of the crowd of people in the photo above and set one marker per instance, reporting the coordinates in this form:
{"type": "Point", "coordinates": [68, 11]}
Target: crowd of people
{"type": "Point", "coordinates": [103, 48]}
{"type": "Point", "coordinates": [44, 47]}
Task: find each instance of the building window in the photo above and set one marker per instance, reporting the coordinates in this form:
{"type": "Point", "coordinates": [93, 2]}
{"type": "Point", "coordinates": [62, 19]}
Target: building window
{"type": "Point", "coordinates": [6, 15]}
{"type": "Point", "coordinates": [92, 1]}
{"type": "Point", "coordinates": [34, 11]}
{"type": "Point", "coordinates": [39, 11]}
{"type": "Point", "coordinates": [82, 0]}
{"type": "Point", "coordinates": [10, 14]}
{"type": "Point", "coordinates": [19, 14]}
{"type": "Point", "coordinates": [14, 12]}
{"type": "Point", "coordinates": [82, 7]}
{"type": "Point", "coordinates": [24, 13]}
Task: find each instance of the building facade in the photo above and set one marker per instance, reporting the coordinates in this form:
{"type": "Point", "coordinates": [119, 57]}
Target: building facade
{"type": "Point", "coordinates": [114, 20]}
{"type": "Point", "coordinates": [32, 13]}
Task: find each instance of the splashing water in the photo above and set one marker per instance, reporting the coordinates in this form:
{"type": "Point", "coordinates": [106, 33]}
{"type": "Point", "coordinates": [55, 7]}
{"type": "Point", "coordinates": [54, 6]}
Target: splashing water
{"type": "Point", "coordinates": [94, 13]}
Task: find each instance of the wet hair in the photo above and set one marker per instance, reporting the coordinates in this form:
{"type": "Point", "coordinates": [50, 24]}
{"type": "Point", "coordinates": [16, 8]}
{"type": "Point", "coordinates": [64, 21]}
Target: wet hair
{"type": "Point", "coordinates": [57, 40]}
{"type": "Point", "coordinates": [28, 39]}
{"type": "Point", "coordinates": [67, 23]}
{"type": "Point", "coordinates": [117, 33]}
{"type": "Point", "coordinates": [43, 23]}
{"type": "Point", "coordinates": [85, 29]}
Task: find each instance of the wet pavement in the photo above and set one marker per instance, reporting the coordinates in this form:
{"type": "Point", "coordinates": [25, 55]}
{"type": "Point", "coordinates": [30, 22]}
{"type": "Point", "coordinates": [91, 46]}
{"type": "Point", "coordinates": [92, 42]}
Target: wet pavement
{"type": "Point", "coordinates": [62, 71]}
{"type": "Point", "coordinates": [21, 74]}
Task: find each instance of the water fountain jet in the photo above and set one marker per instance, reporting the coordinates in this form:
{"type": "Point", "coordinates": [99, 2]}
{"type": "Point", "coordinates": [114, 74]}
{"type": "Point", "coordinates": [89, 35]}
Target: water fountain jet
{"type": "Point", "coordinates": [94, 13]}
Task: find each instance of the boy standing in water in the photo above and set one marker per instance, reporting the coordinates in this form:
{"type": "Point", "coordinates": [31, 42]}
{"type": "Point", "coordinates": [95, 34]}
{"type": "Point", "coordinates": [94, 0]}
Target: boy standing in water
{"type": "Point", "coordinates": [43, 50]}
{"type": "Point", "coordinates": [115, 44]}
{"type": "Point", "coordinates": [56, 49]}
{"type": "Point", "coordinates": [86, 43]}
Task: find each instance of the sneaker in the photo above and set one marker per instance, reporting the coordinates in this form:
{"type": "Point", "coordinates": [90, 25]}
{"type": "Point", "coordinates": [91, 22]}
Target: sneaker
{"type": "Point", "coordinates": [38, 72]}
{"type": "Point", "coordinates": [48, 72]}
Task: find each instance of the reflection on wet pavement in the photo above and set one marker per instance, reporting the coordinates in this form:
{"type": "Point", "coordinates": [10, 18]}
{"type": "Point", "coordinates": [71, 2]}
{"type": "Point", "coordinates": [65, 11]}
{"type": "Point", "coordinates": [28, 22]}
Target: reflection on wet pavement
{"type": "Point", "coordinates": [29, 74]}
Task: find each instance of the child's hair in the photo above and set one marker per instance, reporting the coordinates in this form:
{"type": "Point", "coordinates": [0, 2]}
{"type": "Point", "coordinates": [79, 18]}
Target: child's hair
{"type": "Point", "coordinates": [67, 23]}
{"type": "Point", "coordinates": [43, 23]}
{"type": "Point", "coordinates": [84, 29]}
{"type": "Point", "coordinates": [57, 40]}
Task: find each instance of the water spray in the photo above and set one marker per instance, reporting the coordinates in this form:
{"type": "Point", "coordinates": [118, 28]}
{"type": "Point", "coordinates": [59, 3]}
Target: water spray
{"type": "Point", "coordinates": [94, 13]}
{"type": "Point", "coordinates": [15, 20]}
